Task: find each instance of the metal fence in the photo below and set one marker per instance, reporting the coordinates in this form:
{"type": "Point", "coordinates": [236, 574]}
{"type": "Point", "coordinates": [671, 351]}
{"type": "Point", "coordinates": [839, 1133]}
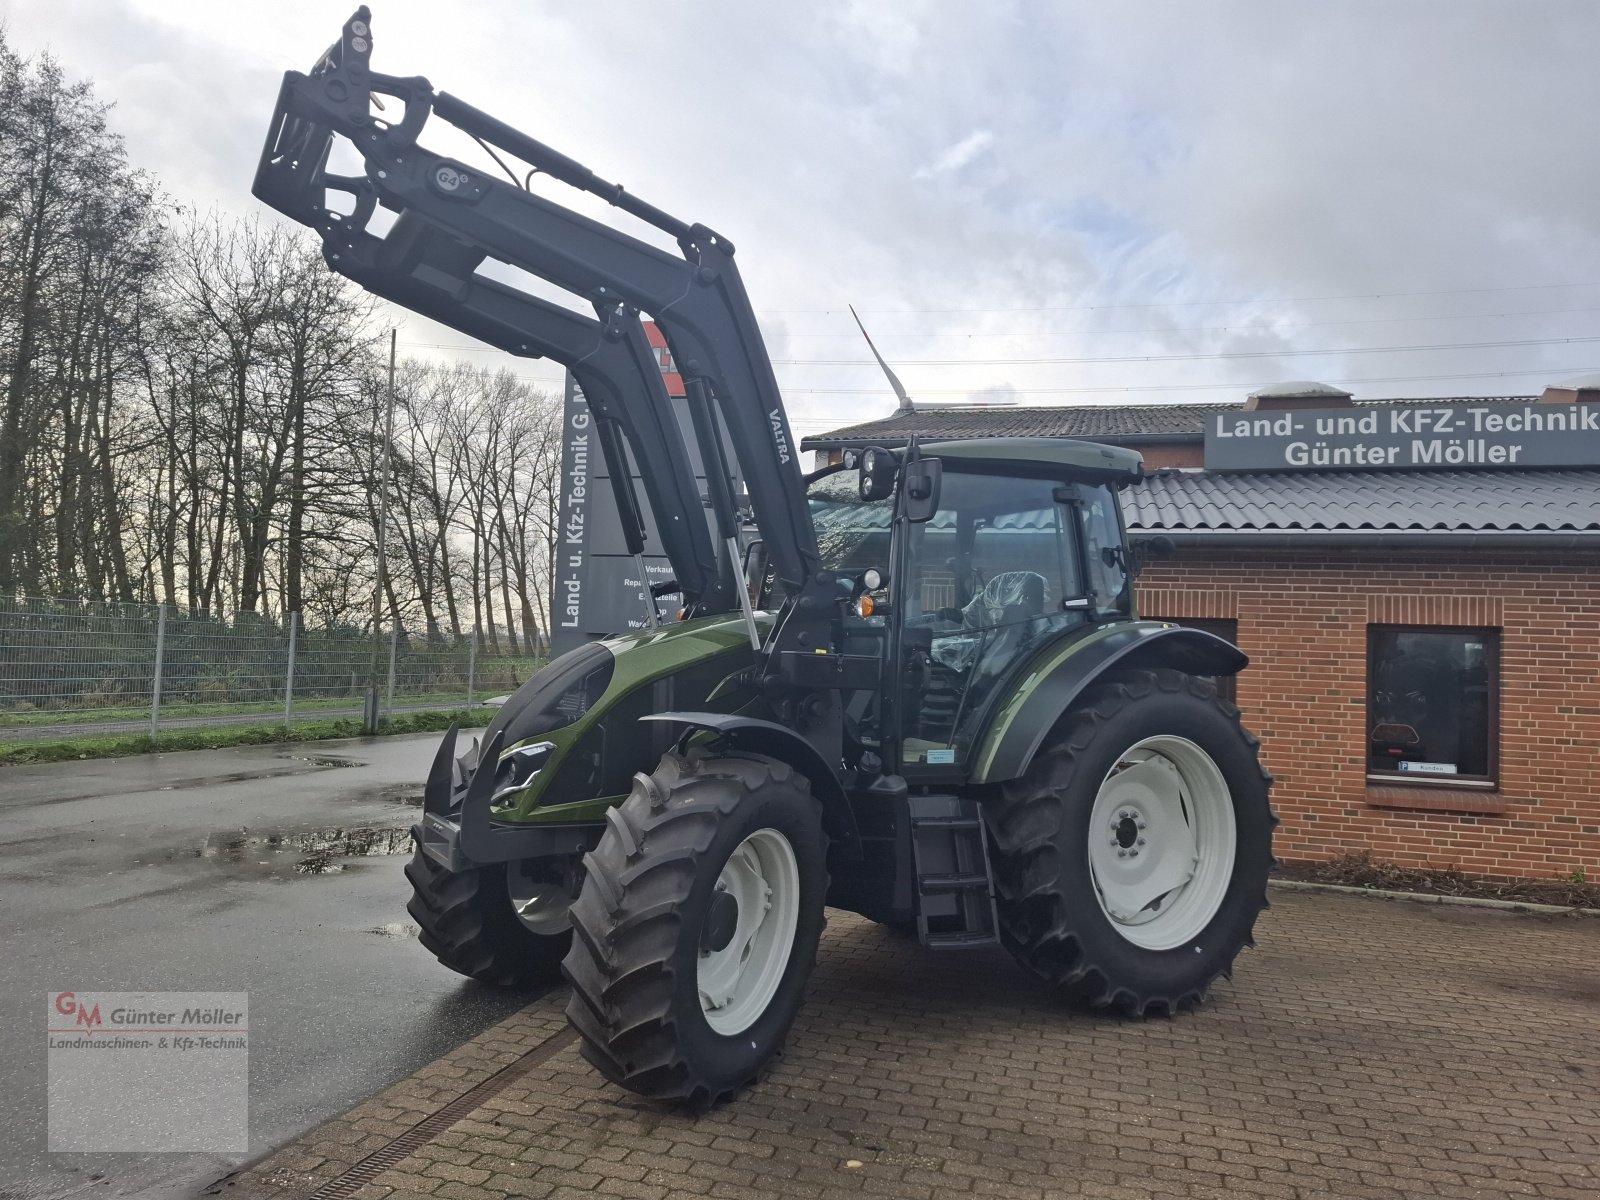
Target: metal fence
{"type": "Point", "coordinates": [70, 666]}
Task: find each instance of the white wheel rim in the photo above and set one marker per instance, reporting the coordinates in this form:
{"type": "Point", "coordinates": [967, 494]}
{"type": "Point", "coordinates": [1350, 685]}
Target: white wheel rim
{"type": "Point", "coordinates": [544, 906]}
{"type": "Point", "coordinates": [738, 981]}
{"type": "Point", "coordinates": [1162, 839]}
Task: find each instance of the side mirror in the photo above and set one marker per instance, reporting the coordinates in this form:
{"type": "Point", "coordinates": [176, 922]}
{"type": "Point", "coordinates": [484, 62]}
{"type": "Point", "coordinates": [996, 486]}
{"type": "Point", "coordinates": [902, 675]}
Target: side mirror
{"type": "Point", "coordinates": [878, 468]}
{"type": "Point", "coordinates": [922, 479]}
{"type": "Point", "coordinates": [1147, 550]}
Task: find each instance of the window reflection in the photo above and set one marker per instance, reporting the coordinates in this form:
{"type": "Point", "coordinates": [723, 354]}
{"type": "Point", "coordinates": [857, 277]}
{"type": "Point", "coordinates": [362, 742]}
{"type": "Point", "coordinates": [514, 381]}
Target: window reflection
{"type": "Point", "coordinates": [1431, 702]}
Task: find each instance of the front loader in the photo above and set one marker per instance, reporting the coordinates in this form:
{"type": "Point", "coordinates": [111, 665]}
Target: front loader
{"type": "Point", "coordinates": [914, 687]}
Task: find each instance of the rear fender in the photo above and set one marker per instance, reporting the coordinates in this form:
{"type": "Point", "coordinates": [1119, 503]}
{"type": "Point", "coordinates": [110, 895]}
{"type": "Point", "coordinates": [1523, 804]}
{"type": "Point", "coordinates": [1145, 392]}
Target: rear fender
{"type": "Point", "coordinates": [1041, 695]}
{"type": "Point", "coordinates": [784, 744]}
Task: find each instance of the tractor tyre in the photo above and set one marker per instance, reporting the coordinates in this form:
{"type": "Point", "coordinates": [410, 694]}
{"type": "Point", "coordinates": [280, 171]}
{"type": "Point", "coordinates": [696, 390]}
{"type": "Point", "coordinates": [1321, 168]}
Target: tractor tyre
{"type": "Point", "coordinates": [470, 920]}
{"type": "Point", "coordinates": [1131, 858]}
{"type": "Point", "coordinates": [697, 926]}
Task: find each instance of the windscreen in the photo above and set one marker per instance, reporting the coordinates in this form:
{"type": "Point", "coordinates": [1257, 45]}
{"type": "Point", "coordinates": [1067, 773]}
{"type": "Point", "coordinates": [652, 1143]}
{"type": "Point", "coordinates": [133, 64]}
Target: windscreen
{"type": "Point", "coordinates": [852, 533]}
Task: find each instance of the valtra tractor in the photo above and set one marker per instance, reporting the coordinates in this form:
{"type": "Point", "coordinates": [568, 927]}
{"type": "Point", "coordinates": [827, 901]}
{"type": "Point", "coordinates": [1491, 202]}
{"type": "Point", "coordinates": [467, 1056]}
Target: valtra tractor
{"type": "Point", "coordinates": [914, 687]}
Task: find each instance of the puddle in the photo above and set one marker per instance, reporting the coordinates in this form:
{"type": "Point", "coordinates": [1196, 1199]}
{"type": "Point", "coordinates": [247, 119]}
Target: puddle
{"type": "Point", "coordinates": [325, 761]}
{"type": "Point", "coordinates": [396, 929]}
{"type": "Point", "coordinates": [317, 852]}
{"type": "Point", "coordinates": [409, 795]}
{"type": "Point", "coordinates": [325, 849]}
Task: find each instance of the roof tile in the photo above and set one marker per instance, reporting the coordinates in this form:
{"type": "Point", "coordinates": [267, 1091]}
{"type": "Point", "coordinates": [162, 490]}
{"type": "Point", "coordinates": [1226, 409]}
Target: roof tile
{"type": "Point", "coordinates": [1077, 420]}
{"type": "Point", "coordinates": [1472, 501]}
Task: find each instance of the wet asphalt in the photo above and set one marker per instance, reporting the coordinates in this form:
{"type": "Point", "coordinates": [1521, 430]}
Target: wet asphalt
{"type": "Point", "coordinates": [275, 871]}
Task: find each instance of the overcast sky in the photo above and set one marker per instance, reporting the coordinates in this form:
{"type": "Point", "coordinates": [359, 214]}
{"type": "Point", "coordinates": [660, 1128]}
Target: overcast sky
{"type": "Point", "coordinates": [1012, 187]}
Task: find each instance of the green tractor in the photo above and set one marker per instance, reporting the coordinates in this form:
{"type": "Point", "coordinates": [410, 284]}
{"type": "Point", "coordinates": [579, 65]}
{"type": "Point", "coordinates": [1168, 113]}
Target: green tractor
{"type": "Point", "coordinates": [914, 686]}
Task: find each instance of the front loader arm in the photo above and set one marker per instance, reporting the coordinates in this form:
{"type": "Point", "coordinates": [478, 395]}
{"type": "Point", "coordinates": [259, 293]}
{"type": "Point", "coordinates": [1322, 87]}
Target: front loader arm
{"type": "Point", "coordinates": [420, 267]}
{"type": "Point", "coordinates": [698, 299]}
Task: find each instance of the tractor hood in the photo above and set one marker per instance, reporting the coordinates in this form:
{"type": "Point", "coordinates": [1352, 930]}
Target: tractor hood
{"type": "Point", "coordinates": [580, 701]}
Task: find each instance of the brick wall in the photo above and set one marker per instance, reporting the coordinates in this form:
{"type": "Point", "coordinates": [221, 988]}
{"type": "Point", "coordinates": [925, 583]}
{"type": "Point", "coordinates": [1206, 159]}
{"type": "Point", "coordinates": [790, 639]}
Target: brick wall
{"type": "Point", "coordinates": [1303, 620]}
{"type": "Point", "coordinates": [1180, 454]}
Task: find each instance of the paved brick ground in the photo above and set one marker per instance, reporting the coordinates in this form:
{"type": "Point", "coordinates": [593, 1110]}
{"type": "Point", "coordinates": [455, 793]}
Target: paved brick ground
{"type": "Point", "coordinates": [1367, 1049]}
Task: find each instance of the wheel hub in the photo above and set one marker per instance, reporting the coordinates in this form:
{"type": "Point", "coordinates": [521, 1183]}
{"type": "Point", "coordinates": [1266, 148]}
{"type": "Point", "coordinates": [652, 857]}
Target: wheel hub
{"type": "Point", "coordinates": [748, 931]}
{"type": "Point", "coordinates": [722, 919]}
{"type": "Point", "coordinates": [1161, 863]}
{"type": "Point", "coordinates": [541, 897]}
{"type": "Point", "coordinates": [1127, 830]}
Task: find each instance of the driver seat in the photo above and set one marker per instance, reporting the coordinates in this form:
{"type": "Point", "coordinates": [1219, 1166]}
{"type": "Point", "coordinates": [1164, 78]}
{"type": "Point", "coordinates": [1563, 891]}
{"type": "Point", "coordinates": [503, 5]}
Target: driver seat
{"type": "Point", "coordinates": [1010, 598]}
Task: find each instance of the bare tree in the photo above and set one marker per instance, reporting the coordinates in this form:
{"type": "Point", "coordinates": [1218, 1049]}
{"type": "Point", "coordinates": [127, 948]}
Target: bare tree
{"type": "Point", "coordinates": [191, 410]}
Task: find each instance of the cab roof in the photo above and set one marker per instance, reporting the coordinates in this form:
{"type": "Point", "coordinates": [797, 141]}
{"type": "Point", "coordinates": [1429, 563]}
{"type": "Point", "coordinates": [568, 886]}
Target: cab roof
{"type": "Point", "coordinates": [1049, 456]}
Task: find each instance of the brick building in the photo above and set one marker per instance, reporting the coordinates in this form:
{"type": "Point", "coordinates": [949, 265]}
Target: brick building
{"type": "Point", "coordinates": [1417, 584]}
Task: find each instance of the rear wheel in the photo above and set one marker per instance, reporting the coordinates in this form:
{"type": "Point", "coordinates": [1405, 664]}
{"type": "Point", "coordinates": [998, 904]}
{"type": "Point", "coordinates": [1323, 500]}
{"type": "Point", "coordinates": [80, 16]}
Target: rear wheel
{"type": "Point", "coordinates": [697, 926]}
{"type": "Point", "coordinates": [505, 923]}
{"type": "Point", "coordinates": [1131, 859]}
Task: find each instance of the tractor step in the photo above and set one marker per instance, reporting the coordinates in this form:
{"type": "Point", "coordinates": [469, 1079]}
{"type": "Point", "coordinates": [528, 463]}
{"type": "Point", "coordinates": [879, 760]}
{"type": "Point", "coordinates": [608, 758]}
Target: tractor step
{"type": "Point", "coordinates": [955, 892]}
{"type": "Point", "coordinates": [930, 885]}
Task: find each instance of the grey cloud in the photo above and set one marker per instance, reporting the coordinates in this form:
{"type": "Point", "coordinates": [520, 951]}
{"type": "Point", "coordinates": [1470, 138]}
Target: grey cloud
{"type": "Point", "coordinates": [1164, 153]}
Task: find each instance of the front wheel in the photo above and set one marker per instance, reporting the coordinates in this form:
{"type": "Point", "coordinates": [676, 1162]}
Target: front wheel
{"type": "Point", "coordinates": [1131, 859]}
{"type": "Point", "coordinates": [697, 926]}
{"type": "Point", "coordinates": [503, 924]}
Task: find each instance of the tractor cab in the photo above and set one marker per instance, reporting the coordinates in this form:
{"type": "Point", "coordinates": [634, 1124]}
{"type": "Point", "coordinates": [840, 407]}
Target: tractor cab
{"type": "Point", "coordinates": [1017, 544]}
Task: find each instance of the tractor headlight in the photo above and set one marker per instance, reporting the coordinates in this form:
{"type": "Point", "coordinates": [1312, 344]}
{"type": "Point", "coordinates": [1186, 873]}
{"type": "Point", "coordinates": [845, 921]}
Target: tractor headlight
{"type": "Point", "coordinates": [556, 696]}
{"type": "Point", "coordinates": [517, 768]}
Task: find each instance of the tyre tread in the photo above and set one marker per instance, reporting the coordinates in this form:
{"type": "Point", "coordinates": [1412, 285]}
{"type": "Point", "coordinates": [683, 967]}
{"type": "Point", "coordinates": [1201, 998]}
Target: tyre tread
{"type": "Point", "coordinates": [626, 919]}
{"type": "Point", "coordinates": [1029, 864]}
{"type": "Point", "coordinates": [455, 925]}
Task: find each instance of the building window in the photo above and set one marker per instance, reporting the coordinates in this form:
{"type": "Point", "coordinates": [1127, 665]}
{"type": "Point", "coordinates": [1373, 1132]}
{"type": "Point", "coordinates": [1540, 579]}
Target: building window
{"type": "Point", "coordinates": [1432, 703]}
{"type": "Point", "coordinates": [1228, 631]}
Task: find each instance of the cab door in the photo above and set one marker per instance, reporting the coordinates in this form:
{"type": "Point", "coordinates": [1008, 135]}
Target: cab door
{"type": "Point", "coordinates": [996, 572]}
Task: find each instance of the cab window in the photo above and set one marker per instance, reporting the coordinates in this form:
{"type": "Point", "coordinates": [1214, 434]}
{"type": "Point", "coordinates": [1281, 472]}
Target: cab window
{"type": "Point", "coordinates": [852, 534]}
{"type": "Point", "coordinates": [991, 576]}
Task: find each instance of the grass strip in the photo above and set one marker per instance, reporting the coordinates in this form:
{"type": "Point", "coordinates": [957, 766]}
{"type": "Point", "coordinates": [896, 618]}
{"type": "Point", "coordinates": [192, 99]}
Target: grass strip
{"type": "Point", "coordinates": [220, 737]}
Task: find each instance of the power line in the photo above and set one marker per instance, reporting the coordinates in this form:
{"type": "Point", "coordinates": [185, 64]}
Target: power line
{"type": "Point", "coordinates": [1547, 372]}
{"type": "Point", "coordinates": [1187, 329]}
{"type": "Point", "coordinates": [1153, 358]}
{"type": "Point", "coordinates": [1131, 358]}
{"type": "Point", "coordinates": [1527, 287]}
{"type": "Point", "coordinates": [1196, 387]}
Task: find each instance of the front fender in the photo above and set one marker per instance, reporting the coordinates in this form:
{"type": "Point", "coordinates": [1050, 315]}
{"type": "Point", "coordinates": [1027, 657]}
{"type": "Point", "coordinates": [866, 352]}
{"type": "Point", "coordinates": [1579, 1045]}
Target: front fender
{"type": "Point", "coordinates": [1043, 693]}
{"type": "Point", "coordinates": [780, 742]}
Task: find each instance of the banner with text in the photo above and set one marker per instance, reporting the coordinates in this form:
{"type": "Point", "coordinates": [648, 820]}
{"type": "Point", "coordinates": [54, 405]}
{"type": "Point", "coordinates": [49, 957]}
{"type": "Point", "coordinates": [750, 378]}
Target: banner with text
{"type": "Point", "coordinates": [597, 590]}
{"type": "Point", "coordinates": [1406, 437]}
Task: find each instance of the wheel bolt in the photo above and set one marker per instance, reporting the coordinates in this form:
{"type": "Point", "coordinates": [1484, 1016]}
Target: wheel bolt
{"type": "Point", "coordinates": [1141, 841]}
{"type": "Point", "coordinates": [1133, 854]}
{"type": "Point", "coordinates": [1113, 841]}
{"type": "Point", "coordinates": [1122, 854]}
{"type": "Point", "coordinates": [1141, 824]}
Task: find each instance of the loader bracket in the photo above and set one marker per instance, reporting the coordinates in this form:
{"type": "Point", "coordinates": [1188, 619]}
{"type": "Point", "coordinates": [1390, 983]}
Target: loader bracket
{"type": "Point", "coordinates": [468, 837]}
